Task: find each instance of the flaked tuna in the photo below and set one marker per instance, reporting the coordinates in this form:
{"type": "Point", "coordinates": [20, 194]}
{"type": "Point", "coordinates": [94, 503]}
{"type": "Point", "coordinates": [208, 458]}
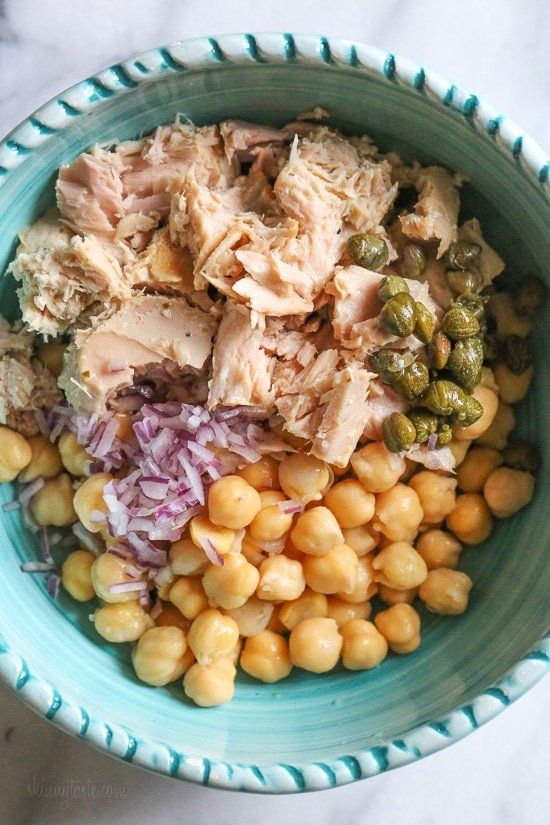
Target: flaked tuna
{"type": "Point", "coordinates": [436, 213]}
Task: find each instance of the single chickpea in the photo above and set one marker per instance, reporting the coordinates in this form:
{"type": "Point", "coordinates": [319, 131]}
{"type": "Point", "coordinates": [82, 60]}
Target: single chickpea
{"type": "Point", "coordinates": [476, 468]}
{"type": "Point", "coordinates": [303, 476]}
{"type": "Point", "coordinates": [108, 570]}
{"type": "Point", "coordinates": [471, 520]}
{"type": "Point", "coordinates": [232, 502]}
{"type": "Point", "coordinates": [266, 657]}
{"type": "Point", "coordinates": [253, 617]}
{"type": "Point", "coordinates": [232, 584]}
{"type": "Point", "coordinates": [439, 549]}
{"type": "Point", "coordinates": [15, 453]}
{"type": "Point", "coordinates": [391, 596]}
{"type": "Point", "coordinates": [335, 572]}
{"type": "Point", "coordinates": [436, 493]}
{"type": "Point", "coordinates": [187, 594]}
{"type": "Point", "coordinates": [159, 656]}
{"type": "Point", "coordinates": [123, 622]}
{"type": "Point", "coordinates": [459, 450]}
{"type": "Point", "coordinates": [364, 587]}
{"type": "Point", "coordinates": [271, 522]}
{"type": "Point", "coordinates": [350, 503]}
{"type": "Point", "coordinates": [400, 626]}
{"type": "Point", "coordinates": [212, 636]}
{"type": "Point", "coordinates": [281, 579]}
{"type": "Point", "coordinates": [363, 539]}
{"type": "Point", "coordinates": [186, 559]}
{"type": "Point", "coordinates": [489, 401]}
{"type": "Point", "coordinates": [76, 576]}
{"type": "Point", "coordinates": [50, 356]}
{"type": "Point", "coordinates": [53, 503]}
{"type": "Point", "coordinates": [398, 513]}
{"type": "Point", "coordinates": [513, 388]}
{"type": "Point", "coordinates": [400, 566]}
{"type": "Point", "coordinates": [343, 612]}
{"type": "Point", "coordinates": [73, 455]}
{"type": "Point", "coordinates": [202, 530]}
{"type": "Point", "coordinates": [315, 645]}
{"type": "Point", "coordinates": [309, 605]}
{"type": "Point", "coordinates": [89, 498]}
{"type": "Point", "coordinates": [377, 468]}
{"type": "Point", "coordinates": [45, 461]}
{"type": "Point", "coordinates": [170, 616]}
{"type": "Point", "coordinates": [501, 308]}
{"type": "Point", "coordinates": [506, 491]}
{"type": "Point", "coordinates": [210, 685]}
{"type": "Point", "coordinates": [163, 589]}
{"type": "Point", "coordinates": [364, 646]}
{"type": "Point", "coordinates": [446, 591]}
{"type": "Point", "coordinates": [316, 532]}
{"type": "Point", "coordinates": [262, 475]}
{"type": "Point", "coordinates": [503, 424]}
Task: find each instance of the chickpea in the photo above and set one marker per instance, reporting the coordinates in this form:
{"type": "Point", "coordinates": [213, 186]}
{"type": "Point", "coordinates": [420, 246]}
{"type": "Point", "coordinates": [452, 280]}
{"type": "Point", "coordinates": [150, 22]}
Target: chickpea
{"type": "Point", "coordinates": [315, 645]}
{"type": "Point", "coordinates": [210, 685]}
{"type": "Point", "coordinates": [15, 453]}
{"type": "Point", "coordinates": [231, 585]}
{"type": "Point", "coordinates": [503, 424]}
{"type": "Point", "coordinates": [476, 469]}
{"type": "Point", "coordinates": [459, 450]}
{"type": "Point", "coordinates": [281, 579]}
{"type": "Point", "coordinates": [398, 513]}
{"type": "Point", "coordinates": [163, 589]}
{"type": "Point", "coordinates": [309, 605]}
{"type": "Point", "coordinates": [343, 612]}
{"type": "Point", "coordinates": [172, 617]}
{"type": "Point", "coordinates": [316, 532]}
{"type": "Point", "coordinates": [506, 491]}
{"type": "Point", "coordinates": [53, 503]}
{"type": "Point", "coordinates": [122, 622]}
{"type": "Point", "coordinates": [303, 476]}
{"type": "Point", "coordinates": [188, 595]}
{"type": "Point", "coordinates": [73, 455]}
{"type": "Point", "coordinates": [376, 467]}
{"type": "Point", "coordinates": [501, 308]}
{"type": "Point", "coordinates": [439, 549]}
{"type": "Point", "coordinates": [50, 356]}
{"type": "Point", "coordinates": [232, 502]}
{"type": "Point", "coordinates": [350, 503]}
{"type": "Point", "coordinates": [436, 493]}
{"type": "Point", "coordinates": [292, 552]}
{"type": "Point", "coordinates": [364, 646]}
{"type": "Point", "coordinates": [186, 559]}
{"type": "Point", "coordinates": [400, 566]}
{"type": "Point", "coordinates": [201, 530]}
{"type": "Point", "coordinates": [89, 497]}
{"type": "Point", "coordinates": [107, 570]}
{"type": "Point", "coordinates": [363, 539]}
{"type": "Point", "coordinates": [335, 572]}
{"type": "Point", "coordinates": [271, 522]}
{"type": "Point", "coordinates": [262, 475]}
{"type": "Point", "coordinates": [76, 577]}
{"type": "Point", "coordinates": [489, 401]}
{"type": "Point", "coordinates": [45, 461]}
{"type": "Point", "coordinates": [364, 587]}
{"type": "Point", "coordinates": [446, 591]}
{"type": "Point", "coordinates": [212, 636]}
{"type": "Point", "coordinates": [400, 626]}
{"type": "Point", "coordinates": [253, 617]}
{"type": "Point", "coordinates": [391, 596]}
{"type": "Point", "coordinates": [513, 388]}
{"type": "Point", "coordinates": [159, 656]}
{"type": "Point", "coordinates": [266, 657]}
{"type": "Point", "coordinates": [471, 520]}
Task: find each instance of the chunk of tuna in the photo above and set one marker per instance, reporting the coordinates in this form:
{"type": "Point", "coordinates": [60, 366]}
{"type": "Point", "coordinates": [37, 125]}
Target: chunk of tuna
{"type": "Point", "coordinates": [345, 413]}
{"type": "Point", "coordinates": [382, 401]}
{"type": "Point", "coordinates": [436, 213]}
{"type": "Point", "coordinates": [162, 266]}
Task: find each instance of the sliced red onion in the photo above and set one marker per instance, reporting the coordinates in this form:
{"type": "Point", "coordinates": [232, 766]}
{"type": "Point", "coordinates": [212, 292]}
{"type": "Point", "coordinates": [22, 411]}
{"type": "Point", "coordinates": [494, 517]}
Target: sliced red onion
{"type": "Point", "coordinates": [146, 552]}
{"type": "Point", "coordinates": [30, 490]}
{"type": "Point", "coordinates": [37, 567]}
{"type": "Point", "coordinates": [432, 441]}
{"type": "Point", "coordinates": [163, 576]}
{"type": "Point", "coordinates": [133, 571]}
{"type": "Point", "coordinates": [52, 585]}
{"type": "Point", "coordinates": [127, 587]}
{"type": "Point", "coordinates": [97, 516]}
{"type": "Point", "coordinates": [211, 553]}
{"type": "Point", "coordinates": [45, 546]}
{"type": "Point", "coordinates": [201, 452]}
{"type": "Point", "coordinates": [145, 599]}
{"type": "Point", "coordinates": [154, 486]}
{"type": "Point", "coordinates": [290, 506]}
{"type": "Point", "coordinates": [272, 548]}
{"type": "Point", "coordinates": [156, 610]}
{"type": "Point", "coordinates": [89, 540]}
{"type": "Point", "coordinates": [119, 552]}
{"type": "Point", "coordinates": [42, 423]}
{"type": "Point", "coordinates": [11, 505]}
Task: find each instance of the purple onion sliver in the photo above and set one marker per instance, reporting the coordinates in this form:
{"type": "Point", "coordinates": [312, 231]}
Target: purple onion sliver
{"type": "Point", "coordinates": [211, 553]}
{"type": "Point", "coordinates": [11, 505]}
{"type": "Point", "coordinates": [30, 490]}
{"type": "Point", "coordinates": [432, 441]}
{"type": "Point", "coordinates": [127, 587]}
{"type": "Point", "coordinates": [52, 585]}
{"type": "Point", "coordinates": [36, 567]}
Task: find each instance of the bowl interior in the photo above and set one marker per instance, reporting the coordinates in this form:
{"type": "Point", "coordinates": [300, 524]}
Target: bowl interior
{"type": "Point", "coordinates": [304, 718]}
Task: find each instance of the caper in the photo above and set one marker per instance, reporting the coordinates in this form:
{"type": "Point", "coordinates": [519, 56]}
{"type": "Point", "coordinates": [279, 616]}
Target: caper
{"type": "Point", "coordinates": [517, 354]}
{"type": "Point", "coordinates": [425, 424]}
{"type": "Point", "coordinates": [445, 436]}
{"type": "Point", "coordinates": [474, 303]}
{"type": "Point", "coordinates": [398, 315]}
{"type": "Point", "coordinates": [529, 295]}
{"type": "Point", "coordinates": [461, 281]}
{"type": "Point", "coordinates": [425, 324]}
{"type": "Point", "coordinates": [390, 286]}
{"type": "Point", "coordinates": [368, 251]}
{"type": "Point", "coordinates": [462, 254]}
{"type": "Point", "coordinates": [441, 349]}
{"type": "Point", "coordinates": [444, 397]}
{"type": "Point", "coordinates": [522, 455]}
{"type": "Point", "coordinates": [468, 411]}
{"type": "Point", "coordinates": [399, 433]}
{"type": "Point", "coordinates": [465, 362]}
{"type": "Point", "coordinates": [413, 261]}
{"type": "Point", "coordinates": [389, 363]}
{"type": "Point", "coordinates": [413, 380]}
{"type": "Point", "coordinates": [459, 323]}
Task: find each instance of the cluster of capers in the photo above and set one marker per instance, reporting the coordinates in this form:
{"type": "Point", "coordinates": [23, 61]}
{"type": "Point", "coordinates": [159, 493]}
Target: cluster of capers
{"type": "Point", "coordinates": [401, 315]}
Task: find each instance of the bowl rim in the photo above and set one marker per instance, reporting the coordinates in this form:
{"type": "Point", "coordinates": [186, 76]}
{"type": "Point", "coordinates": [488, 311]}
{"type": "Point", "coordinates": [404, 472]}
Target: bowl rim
{"type": "Point", "coordinates": [326, 53]}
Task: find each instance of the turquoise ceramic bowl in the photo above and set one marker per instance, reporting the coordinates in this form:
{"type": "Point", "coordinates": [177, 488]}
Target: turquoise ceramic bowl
{"type": "Point", "coordinates": [306, 733]}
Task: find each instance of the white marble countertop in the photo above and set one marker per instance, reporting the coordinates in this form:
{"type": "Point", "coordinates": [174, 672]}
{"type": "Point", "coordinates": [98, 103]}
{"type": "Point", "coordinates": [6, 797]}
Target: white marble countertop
{"type": "Point", "coordinates": [500, 774]}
